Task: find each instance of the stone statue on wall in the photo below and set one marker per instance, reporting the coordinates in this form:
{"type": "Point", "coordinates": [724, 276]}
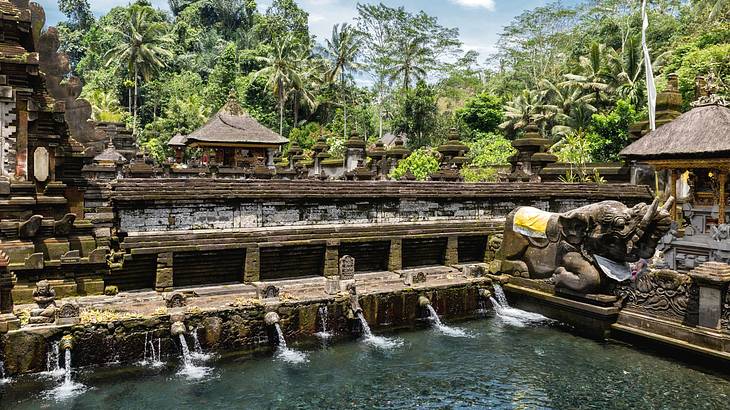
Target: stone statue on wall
{"type": "Point", "coordinates": [579, 249]}
{"type": "Point", "coordinates": [45, 297]}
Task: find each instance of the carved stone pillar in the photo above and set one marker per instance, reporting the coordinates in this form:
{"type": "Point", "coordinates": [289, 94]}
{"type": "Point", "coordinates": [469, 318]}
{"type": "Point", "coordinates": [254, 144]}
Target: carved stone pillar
{"type": "Point", "coordinates": [252, 267]}
{"type": "Point", "coordinates": [395, 258]}
{"type": "Point", "coordinates": [452, 251]}
{"type": "Point", "coordinates": [712, 279]}
{"type": "Point", "coordinates": [163, 280]}
{"type": "Point", "coordinates": [332, 258]}
{"type": "Point", "coordinates": [8, 321]}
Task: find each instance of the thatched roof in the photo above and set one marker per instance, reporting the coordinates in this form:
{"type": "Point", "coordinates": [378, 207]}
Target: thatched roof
{"type": "Point", "coordinates": [232, 125]}
{"type": "Point", "coordinates": [704, 131]}
{"type": "Point", "coordinates": [177, 141]}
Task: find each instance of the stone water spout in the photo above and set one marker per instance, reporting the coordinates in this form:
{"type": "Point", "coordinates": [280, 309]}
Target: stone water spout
{"type": "Point", "coordinates": [423, 301]}
{"type": "Point", "coordinates": [355, 309]}
{"type": "Point", "coordinates": [67, 343]}
{"type": "Point", "coordinates": [484, 294]}
{"type": "Point", "coordinates": [177, 328]}
{"type": "Point", "coordinates": [271, 319]}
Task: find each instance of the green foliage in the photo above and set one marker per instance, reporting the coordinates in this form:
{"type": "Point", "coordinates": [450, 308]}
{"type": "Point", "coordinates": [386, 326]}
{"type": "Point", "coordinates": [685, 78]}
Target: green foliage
{"type": "Point", "coordinates": [609, 133]}
{"type": "Point", "coordinates": [482, 113]}
{"type": "Point", "coordinates": [222, 79]}
{"type": "Point", "coordinates": [307, 135]}
{"type": "Point", "coordinates": [479, 174]}
{"type": "Point", "coordinates": [489, 149]}
{"type": "Point", "coordinates": [421, 163]}
{"type": "Point", "coordinates": [105, 106]}
{"type": "Point", "coordinates": [417, 117]}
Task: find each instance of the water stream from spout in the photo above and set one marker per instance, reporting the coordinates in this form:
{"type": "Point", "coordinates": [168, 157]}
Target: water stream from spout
{"type": "Point", "coordinates": [513, 316]}
{"type": "Point", "coordinates": [68, 388]}
{"type": "Point", "coordinates": [152, 354]}
{"type": "Point", "coordinates": [323, 333]}
{"type": "Point", "coordinates": [380, 342]}
{"type": "Point", "coordinates": [190, 369]}
{"type": "Point", "coordinates": [53, 362]}
{"type": "Point", "coordinates": [3, 379]}
{"type": "Point", "coordinates": [446, 330]}
{"type": "Point", "coordinates": [286, 354]}
{"type": "Point", "coordinates": [198, 353]}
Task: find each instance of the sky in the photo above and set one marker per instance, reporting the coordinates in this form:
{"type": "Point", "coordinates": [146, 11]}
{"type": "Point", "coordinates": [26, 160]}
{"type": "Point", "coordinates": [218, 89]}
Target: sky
{"type": "Point", "coordinates": [479, 21]}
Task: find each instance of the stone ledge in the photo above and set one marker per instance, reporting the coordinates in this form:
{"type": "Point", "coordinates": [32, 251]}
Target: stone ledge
{"type": "Point", "coordinates": [699, 340]}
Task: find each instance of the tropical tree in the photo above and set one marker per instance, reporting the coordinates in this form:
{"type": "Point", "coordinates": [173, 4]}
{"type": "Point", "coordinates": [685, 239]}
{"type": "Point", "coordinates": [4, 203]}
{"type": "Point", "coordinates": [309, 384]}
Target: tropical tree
{"type": "Point", "coordinates": [281, 68]}
{"type": "Point", "coordinates": [342, 51]}
{"type": "Point", "coordinates": [525, 107]}
{"type": "Point", "coordinates": [627, 69]}
{"type": "Point", "coordinates": [412, 64]}
{"type": "Point", "coordinates": [569, 108]}
{"type": "Point", "coordinates": [592, 75]}
{"type": "Point", "coordinates": [143, 49]}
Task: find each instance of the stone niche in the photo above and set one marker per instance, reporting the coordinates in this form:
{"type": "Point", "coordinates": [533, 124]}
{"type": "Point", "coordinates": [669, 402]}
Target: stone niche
{"type": "Point", "coordinates": [41, 164]}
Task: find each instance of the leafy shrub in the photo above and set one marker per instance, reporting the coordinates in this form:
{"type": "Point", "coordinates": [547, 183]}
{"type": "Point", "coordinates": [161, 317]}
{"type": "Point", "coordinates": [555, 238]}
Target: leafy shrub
{"type": "Point", "coordinates": [422, 163]}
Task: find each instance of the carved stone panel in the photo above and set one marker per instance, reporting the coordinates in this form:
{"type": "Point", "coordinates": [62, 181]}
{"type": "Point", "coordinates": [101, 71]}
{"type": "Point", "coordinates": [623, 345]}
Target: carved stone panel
{"type": "Point", "coordinates": [7, 138]}
{"type": "Point", "coordinates": [41, 164]}
{"type": "Point", "coordinates": [347, 267]}
{"type": "Point", "coordinates": [663, 293]}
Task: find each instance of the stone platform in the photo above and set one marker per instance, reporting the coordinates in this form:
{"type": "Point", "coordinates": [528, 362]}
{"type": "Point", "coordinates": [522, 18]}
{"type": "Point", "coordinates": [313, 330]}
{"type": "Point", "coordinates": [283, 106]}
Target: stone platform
{"type": "Point", "coordinates": [230, 317]}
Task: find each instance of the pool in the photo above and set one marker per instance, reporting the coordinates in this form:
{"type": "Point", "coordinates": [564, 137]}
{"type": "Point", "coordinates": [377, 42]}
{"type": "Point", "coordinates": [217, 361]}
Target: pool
{"type": "Point", "coordinates": [494, 363]}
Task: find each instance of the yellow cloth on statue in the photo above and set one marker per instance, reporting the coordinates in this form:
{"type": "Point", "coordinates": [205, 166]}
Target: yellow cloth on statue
{"type": "Point", "coordinates": [531, 222]}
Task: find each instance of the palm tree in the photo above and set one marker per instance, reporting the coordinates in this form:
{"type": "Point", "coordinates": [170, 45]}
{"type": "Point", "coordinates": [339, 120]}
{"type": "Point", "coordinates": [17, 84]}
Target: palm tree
{"type": "Point", "coordinates": [627, 71]}
{"type": "Point", "coordinates": [342, 50]}
{"type": "Point", "coordinates": [104, 105]}
{"type": "Point", "coordinates": [525, 107]}
{"type": "Point", "coordinates": [570, 109]}
{"type": "Point", "coordinates": [143, 48]}
{"type": "Point", "coordinates": [592, 75]}
{"type": "Point", "coordinates": [281, 67]}
{"type": "Point", "coordinates": [415, 57]}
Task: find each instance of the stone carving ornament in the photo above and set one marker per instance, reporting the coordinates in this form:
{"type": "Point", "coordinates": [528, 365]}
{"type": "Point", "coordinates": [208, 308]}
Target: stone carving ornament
{"type": "Point", "coordinates": [580, 249]}
{"type": "Point", "coordinates": [663, 292]}
{"type": "Point", "coordinates": [347, 267]}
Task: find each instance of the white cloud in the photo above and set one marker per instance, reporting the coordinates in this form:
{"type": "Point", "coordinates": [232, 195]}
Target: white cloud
{"type": "Point", "coordinates": [485, 4]}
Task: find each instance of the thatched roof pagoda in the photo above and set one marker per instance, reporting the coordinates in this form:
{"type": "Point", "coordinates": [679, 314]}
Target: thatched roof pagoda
{"type": "Point", "coordinates": [232, 126]}
{"type": "Point", "coordinates": [697, 141]}
{"type": "Point", "coordinates": [236, 138]}
{"type": "Point", "coordinates": [702, 132]}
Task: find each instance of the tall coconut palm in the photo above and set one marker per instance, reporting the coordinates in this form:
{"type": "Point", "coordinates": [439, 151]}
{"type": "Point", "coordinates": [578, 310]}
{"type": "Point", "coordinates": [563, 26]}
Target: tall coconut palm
{"type": "Point", "coordinates": [592, 75]}
{"type": "Point", "coordinates": [342, 51]}
{"type": "Point", "coordinates": [413, 62]}
{"type": "Point", "coordinates": [143, 48]}
{"type": "Point", "coordinates": [281, 68]}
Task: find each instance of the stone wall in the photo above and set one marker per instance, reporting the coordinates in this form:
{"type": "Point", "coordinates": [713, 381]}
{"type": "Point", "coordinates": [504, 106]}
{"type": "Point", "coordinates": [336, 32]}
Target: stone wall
{"type": "Point", "coordinates": [234, 329]}
{"type": "Point", "coordinates": [152, 206]}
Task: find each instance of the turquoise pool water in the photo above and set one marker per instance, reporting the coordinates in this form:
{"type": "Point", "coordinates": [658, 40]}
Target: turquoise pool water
{"type": "Point", "coordinates": [500, 364]}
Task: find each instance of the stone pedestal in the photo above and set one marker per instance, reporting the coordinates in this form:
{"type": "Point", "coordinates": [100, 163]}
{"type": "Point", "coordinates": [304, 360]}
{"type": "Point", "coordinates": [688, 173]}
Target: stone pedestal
{"type": "Point", "coordinates": [8, 322]}
{"type": "Point", "coordinates": [332, 285]}
{"type": "Point", "coordinates": [712, 279]}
